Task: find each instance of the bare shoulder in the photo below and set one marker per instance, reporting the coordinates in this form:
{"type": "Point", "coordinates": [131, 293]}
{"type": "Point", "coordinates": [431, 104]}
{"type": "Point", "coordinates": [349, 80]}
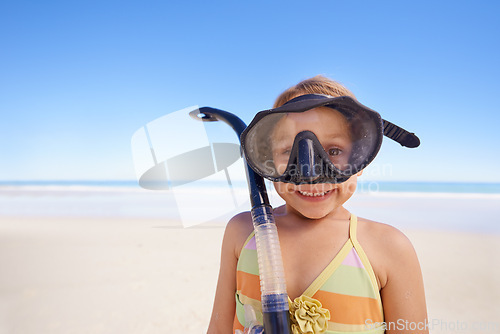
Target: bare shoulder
{"type": "Point", "coordinates": [237, 231]}
{"type": "Point", "coordinates": [384, 235]}
{"type": "Point", "coordinates": [385, 246]}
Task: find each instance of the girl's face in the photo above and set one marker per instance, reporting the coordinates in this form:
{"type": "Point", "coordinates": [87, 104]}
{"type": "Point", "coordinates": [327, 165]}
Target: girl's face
{"type": "Point", "coordinates": [330, 127]}
{"type": "Point", "coordinates": [332, 130]}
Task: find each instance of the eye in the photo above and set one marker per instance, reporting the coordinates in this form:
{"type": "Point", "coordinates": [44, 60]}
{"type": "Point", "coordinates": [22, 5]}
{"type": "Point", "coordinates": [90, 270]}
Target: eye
{"type": "Point", "coordinates": [334, 151]}
{"type": "Point", "coordinates": [282, 152]}
{"type": "Point", "coordinates": [286, 151]}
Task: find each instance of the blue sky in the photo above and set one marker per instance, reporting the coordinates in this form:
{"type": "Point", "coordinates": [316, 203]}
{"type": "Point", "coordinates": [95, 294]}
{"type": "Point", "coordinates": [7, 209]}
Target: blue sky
{"type": "Point", "coordinates": [78, 78]}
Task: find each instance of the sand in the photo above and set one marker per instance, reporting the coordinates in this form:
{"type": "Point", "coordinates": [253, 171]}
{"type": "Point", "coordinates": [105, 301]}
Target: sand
{"type": "Point", "coordinates": [120, 275]}
{"type": "Point", "coordinates": [106, 276]}
{"type": "Point", "coordinates": [461, 277]}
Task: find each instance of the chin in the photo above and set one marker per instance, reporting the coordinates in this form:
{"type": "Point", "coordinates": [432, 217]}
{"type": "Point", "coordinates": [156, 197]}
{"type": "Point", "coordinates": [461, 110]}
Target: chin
{"type": "Point", "coordinates": [314, 215]}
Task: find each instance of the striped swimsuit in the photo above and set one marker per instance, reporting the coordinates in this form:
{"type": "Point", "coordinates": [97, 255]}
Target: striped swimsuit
{"type": "Point", "coordinates": [347, 288]}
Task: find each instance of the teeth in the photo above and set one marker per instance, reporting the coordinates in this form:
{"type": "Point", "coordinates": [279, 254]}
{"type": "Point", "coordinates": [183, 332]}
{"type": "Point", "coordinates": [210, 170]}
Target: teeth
{"type": "Point", "coordinates": [305, 193]}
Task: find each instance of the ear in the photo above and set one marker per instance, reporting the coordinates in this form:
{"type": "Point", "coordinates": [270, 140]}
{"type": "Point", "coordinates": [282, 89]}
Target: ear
{"type": "Point", "coordinates": [360, 173]}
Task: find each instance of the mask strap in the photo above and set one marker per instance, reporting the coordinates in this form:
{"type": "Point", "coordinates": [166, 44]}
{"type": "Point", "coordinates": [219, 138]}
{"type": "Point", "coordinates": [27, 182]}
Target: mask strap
{"type": "Point", "coordinates": [392, 131]}
{"type": "Point", "coordinates": [400, 135]}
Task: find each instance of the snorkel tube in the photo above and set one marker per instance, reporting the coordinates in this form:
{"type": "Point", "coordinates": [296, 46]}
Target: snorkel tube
{"type": "Point", "coordinates": [274, 297]}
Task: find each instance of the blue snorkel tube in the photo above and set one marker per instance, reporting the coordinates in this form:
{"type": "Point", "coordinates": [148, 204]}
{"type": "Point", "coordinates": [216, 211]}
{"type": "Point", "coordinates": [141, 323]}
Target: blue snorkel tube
{"type": "Point", "coordinates": [274, 296]}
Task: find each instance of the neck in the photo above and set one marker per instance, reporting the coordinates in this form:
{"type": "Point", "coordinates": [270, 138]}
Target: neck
{"type": "Point", "coordinates": [339, 213]}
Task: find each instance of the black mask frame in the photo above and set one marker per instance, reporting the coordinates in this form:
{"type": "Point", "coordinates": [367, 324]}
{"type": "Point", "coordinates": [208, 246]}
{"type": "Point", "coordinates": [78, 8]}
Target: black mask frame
{"type": "Point", "coordinates": [308, 161]}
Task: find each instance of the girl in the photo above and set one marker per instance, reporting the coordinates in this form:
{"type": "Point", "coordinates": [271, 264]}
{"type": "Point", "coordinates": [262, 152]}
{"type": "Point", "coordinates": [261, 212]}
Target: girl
{"type": "Point", "coordinates": [344, 274]}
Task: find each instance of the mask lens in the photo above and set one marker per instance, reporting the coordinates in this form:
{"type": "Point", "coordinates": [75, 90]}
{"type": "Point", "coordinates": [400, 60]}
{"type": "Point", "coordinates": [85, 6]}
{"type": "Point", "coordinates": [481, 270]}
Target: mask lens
{"type": "Point", "coordinates": [259, 145]}
{"type": "Point", "coordinates": [344, 140]}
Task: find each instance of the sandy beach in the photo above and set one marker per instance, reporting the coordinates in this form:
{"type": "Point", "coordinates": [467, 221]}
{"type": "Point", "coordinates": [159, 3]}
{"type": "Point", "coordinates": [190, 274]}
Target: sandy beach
{"type": "Point", "coordinates": [105, 276]}
{"type": "Point", "coordinates": [149, 275]}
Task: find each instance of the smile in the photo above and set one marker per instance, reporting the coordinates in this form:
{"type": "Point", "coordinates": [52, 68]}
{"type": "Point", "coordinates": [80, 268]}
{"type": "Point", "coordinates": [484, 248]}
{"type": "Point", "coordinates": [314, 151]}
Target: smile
{"type": "Point", "coordinates": [308, 194]}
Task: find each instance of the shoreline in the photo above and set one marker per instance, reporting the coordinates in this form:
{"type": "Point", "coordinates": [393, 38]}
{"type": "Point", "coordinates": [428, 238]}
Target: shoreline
{"type": "Point", "coordinates": [403, 187]}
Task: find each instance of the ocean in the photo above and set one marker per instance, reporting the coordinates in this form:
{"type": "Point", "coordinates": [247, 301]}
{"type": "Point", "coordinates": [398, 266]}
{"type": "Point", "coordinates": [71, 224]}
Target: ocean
{"type": "Point", "coordinates": [471, 207]}
{"type": "Point", "coordinates": [364, 186]}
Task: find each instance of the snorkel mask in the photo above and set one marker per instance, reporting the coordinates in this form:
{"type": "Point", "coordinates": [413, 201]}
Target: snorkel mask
{"type": "Point", "coordinates": [316, 138]}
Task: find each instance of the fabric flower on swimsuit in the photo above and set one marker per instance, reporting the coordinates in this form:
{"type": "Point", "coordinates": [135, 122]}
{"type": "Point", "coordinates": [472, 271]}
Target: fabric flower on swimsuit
{"type": "Point", "coordinates": [307, 316]}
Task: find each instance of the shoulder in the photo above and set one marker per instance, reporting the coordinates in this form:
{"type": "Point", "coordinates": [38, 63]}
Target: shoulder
{"type": "Point", "coordinates": [237, 231]}
{"type": "Point", "coordinates": [386, 247]}
{"type": "Point", "coordinates": [384, 235]}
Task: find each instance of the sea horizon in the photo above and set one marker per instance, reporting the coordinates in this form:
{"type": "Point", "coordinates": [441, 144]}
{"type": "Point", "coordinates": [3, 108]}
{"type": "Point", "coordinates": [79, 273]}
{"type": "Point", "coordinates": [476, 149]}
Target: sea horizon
{"type": "Point", "coordinates": [363, 185]}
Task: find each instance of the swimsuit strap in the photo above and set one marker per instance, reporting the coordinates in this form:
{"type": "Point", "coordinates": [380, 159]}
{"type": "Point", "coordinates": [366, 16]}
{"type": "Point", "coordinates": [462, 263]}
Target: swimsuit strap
{"type": "Point", "coordinates": [353, 224]}
{"type": "Point", "coordinates": [362, 255]}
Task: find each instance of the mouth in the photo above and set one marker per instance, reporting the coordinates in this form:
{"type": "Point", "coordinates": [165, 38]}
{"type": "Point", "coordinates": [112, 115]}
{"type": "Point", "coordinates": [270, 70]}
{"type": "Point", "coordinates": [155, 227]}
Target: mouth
{"type": "Point", "coordinates": [315, 194]}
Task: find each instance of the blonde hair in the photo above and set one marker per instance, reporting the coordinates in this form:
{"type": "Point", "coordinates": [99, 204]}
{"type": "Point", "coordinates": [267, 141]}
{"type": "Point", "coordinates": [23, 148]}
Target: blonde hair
{"type": "Point", "coordinates": [315, 85]}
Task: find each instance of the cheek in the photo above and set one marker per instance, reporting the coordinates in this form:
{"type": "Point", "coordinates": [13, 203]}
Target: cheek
{"type": "Point", "coordinates": [349, 186]}
{"type": "Point", "coordinates": [281, 166]}
{"type": "Point", "coordinates": [282, 188]}
{"type": "Point", "coordinates": [280, 161]}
